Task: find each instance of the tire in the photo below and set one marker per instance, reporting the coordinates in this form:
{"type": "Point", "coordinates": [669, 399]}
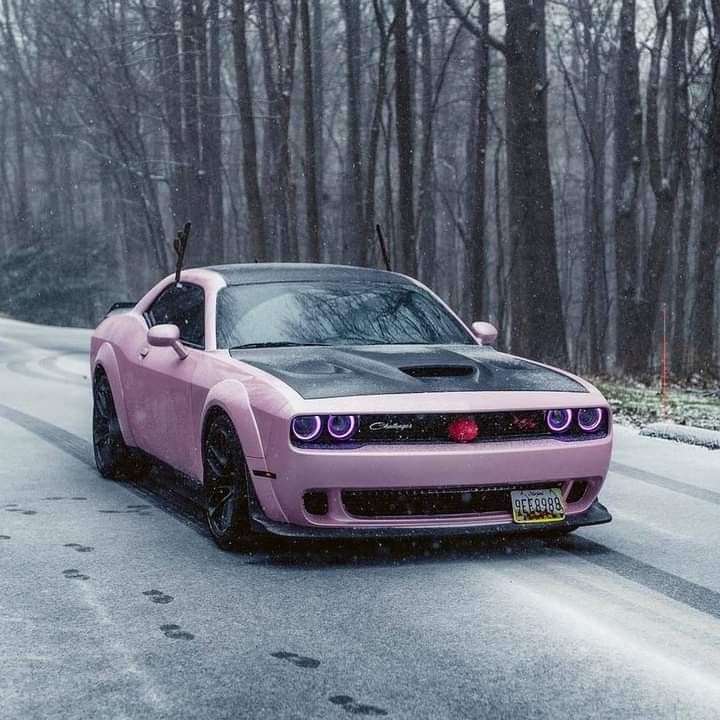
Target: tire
{"type": "Point", "coordinates": [112, 456]}
{"type": "Point", "coordinates": [226, 481]}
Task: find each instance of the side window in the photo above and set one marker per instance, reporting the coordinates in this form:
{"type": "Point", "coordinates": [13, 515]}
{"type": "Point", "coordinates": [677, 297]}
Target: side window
{"type": "Point", "coordinates": [182, 305]}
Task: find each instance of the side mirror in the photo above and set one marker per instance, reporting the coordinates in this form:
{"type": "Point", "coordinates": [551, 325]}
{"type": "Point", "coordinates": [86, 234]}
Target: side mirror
{"type": "Point", "coordinates": [167, 336]}
{"type": "Point", "coordinates": [485, 332]}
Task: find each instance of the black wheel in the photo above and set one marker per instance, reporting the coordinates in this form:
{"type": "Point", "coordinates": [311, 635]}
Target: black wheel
{"type": "Point", "coordinates": [112, 455]}
{"type": "Point", "coordinates": [226, 485]}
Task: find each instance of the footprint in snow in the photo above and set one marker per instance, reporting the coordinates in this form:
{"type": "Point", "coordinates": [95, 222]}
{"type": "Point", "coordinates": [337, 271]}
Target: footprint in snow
{"type": "Point", "coordinates": [350, 705]}
{"type": "Point", "coordinates": [130, 509]}
{"type": "Point", "coordinates": [75, 574]}
{"type": "Point", "coordinates": [157, 596]}
{"type": "Point", "coordinates": [295, 659]}
{"type": "Point", "coordinates": [175, 632]}
{"type": "Point", "coordinates": [79, 548]}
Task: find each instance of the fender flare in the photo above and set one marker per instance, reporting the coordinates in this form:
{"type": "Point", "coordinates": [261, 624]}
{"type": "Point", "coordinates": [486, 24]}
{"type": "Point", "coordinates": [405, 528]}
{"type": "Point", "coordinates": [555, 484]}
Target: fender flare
{"type": "Point", "coordinates": [232, 398]}
{"type": "Point", "coordinates": [105, 358]}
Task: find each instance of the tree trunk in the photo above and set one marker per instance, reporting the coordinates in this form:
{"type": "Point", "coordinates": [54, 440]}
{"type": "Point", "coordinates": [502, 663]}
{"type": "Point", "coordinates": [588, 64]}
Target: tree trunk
{"type": "Point", "coordinates": [704, 329]}
{"type": "Point", "coordinates": [538, 328]}
{"type": "Point", "coordinates": [664, 173]}
{"type": "Point", "coordinates": [426, 220]}
{"type": "Point", "coordinates": [256, 218]}
{"type": "Point", "coordinates": [168, 52]}
{"type": "Point", "coordinates": [354, 246]}
{"type": "Point", "coordinates": [678, 348]}
{"type": "Point", "coordinates": [311, 200]}
{"type": "Point", "coordinates": [278, 72]}
{"type": "Point", "coordinates": [22, 217]}
{"type": "Point", "coordinates": [195, 210]}
{"type": "Point", "coordinates": [376, 125]}
{"type": "Point", "coordinates": [213, 138]}
{"type": "Point", "coordinates": [319, 98]}
{"type": "Point", "coordinates": [628, 138]}
{"type": "Point", "coordinates": [405, 140]}
{"type": "Point", "coordinates": [476, 244]}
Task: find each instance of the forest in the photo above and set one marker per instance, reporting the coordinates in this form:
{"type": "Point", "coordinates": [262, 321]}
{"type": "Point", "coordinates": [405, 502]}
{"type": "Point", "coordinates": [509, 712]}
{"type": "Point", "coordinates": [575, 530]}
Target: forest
{"type": "Point", "coordinates": [551, 166]}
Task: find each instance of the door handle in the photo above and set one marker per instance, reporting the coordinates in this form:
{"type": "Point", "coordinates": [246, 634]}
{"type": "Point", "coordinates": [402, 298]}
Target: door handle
{"type": "Point", "coordinates": [144, 352]}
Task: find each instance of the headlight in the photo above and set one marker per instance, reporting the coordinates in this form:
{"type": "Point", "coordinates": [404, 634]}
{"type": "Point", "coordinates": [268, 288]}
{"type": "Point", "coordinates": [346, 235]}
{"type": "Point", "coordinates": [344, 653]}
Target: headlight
{"type": "Point", "coordinates": [342, 427]}
{"type": "Point", "coordinates": [589, 419]}
{"type": "Point", "coordinates": [306, 427]}
{"type": "Point", "coordinates": [559, 420]}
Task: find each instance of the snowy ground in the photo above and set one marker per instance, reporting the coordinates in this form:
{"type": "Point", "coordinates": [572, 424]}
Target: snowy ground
{"type": "Point", "coordinates": [116, 604]}
{"type": "Point", "coordinates": [639, 405]}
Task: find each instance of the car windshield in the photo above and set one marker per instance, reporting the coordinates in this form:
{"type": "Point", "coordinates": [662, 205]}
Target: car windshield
{"type": "Point", "coordinates": [299, 313]}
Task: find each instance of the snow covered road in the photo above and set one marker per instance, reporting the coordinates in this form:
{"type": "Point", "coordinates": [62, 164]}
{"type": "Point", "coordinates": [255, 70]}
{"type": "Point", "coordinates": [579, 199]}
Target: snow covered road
{"type": "Point", "coordinates": [115, 603]}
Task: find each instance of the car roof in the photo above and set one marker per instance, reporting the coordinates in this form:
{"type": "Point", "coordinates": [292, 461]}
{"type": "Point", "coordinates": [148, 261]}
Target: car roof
{"type": "Point", "coordinates": [250, 273]}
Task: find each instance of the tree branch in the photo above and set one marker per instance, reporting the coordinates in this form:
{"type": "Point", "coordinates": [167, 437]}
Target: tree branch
{"type": "Point", "coordinates": [473, 27]}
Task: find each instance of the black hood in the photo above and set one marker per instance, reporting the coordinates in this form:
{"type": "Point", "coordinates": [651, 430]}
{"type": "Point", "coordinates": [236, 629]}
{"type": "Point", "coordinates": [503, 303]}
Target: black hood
{"type": "Point", "coordinates": [324, 372]}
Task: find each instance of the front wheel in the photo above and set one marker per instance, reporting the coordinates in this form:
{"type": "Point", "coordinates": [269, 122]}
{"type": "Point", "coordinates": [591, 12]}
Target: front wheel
{"type": "Point", "coordinates": [226, 485]}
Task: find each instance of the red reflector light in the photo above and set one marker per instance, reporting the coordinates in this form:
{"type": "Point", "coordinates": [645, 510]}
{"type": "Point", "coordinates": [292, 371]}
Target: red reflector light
{"type": "Point", "coordinates": [463, 430]}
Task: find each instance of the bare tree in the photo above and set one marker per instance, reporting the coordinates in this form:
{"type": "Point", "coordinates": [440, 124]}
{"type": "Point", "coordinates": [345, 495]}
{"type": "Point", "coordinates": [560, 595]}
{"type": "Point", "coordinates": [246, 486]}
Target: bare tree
{"type": "Point", "coordinates": [704, 324]}
{"type": "Point", "coordinates": [355, 247]}
{"type": "Point", "coordinates": [256, 218]}
{"type": "Point", "coordinates": [311, 184]}
{"type": "Point", "coordinates": [665, 164]}
{"type": "Point", "coordinates": [628, 123]}
{"type": "Point", "coordinates": [405, 139]}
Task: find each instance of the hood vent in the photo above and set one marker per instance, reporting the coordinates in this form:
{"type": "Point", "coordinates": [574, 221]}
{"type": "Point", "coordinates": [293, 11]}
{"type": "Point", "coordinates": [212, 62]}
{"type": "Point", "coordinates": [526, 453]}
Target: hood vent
{"type": "Point", "coordinates": [438, 371]}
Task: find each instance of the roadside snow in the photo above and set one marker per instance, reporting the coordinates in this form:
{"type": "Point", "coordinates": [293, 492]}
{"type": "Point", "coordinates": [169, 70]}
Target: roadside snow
{"type": "Point", "coordinates": [684, 433]}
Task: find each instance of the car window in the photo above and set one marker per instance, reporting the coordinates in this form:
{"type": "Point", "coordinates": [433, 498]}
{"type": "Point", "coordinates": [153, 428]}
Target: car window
{"type": "Point", "coordinates": [328, 313]}
{"type": "Point", "coordinates": [182, 305]}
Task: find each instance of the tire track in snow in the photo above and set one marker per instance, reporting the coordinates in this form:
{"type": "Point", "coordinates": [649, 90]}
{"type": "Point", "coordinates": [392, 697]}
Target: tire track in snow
{"type": "Point", "coordinates": [671, 586]}
{"type": "Point", "coordinates": [667, 483]}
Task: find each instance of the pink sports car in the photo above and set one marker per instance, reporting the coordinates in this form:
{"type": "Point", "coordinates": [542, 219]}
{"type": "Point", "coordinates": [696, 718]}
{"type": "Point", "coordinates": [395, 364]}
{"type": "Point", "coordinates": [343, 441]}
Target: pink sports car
{"type": "Point", "coordinates": [330, 401]}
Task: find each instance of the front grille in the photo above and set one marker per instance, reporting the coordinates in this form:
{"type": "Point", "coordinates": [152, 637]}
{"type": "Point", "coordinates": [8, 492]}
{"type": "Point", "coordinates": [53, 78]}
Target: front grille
{"type": "Point", "coordinates": [431, 501]}
{"type": "Point", "coordinates": [434, 427]}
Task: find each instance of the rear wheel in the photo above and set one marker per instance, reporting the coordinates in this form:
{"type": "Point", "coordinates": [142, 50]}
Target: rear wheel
{"type": "Point", "coordinates": [112, 456]}
{"type": "Point", "coordinates": [226, 485]}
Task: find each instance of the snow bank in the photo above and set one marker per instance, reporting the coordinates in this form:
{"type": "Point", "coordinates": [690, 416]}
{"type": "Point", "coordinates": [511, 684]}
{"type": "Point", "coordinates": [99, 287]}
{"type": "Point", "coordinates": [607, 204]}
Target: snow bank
{"type": "Point", "coordinates": [684, 433]}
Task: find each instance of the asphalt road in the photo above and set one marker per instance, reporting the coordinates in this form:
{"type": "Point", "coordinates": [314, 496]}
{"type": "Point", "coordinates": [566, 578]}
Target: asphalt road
{"type": "Point", "coordinates": [115, 603]}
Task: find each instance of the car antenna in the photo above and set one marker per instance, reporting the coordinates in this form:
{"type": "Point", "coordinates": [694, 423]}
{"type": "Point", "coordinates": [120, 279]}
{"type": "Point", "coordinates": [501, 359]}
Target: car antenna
{"type": "Point", "coordinates": [181, 240]}
{"type": "Point", "coordinates": [383, 248]}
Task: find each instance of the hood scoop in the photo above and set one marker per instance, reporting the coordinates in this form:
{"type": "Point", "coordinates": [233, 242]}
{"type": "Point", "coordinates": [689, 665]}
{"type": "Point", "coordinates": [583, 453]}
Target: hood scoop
{"type": "Point", "coordinates": [438, 371]}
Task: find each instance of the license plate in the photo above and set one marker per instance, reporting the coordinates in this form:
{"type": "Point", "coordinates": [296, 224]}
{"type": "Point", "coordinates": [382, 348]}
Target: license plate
{"type": "Point", "coordinates": [535, 506]}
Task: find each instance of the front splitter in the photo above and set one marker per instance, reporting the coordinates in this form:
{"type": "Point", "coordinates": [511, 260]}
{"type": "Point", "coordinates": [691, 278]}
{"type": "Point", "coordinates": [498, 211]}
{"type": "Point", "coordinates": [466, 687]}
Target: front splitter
{"type": "Point", "coordinates": [596, 514]}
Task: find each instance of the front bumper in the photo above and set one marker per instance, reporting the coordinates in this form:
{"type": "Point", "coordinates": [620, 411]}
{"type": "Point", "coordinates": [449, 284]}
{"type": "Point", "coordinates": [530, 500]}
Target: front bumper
{"type": "Point", "coordinates": [596, 514]}
{"type": "Point", "coordinates": [495, 464]}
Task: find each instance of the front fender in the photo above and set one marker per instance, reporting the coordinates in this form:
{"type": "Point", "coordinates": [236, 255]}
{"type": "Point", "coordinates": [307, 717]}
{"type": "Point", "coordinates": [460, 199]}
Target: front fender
{"type": "Point", "coordinates": [232, 397]}
{"type": "Point", "coordinates": [105, 357]}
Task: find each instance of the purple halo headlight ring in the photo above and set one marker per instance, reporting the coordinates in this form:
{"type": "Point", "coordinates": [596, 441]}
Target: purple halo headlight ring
{"type": "Point", "coordinates": [558, 420]}
{"type": "Point", "coordinates": [341, 427]}
{"type": "Point", "coordinates": [589, 419]}
{"type": "Point", "coordinates": [306, 427]}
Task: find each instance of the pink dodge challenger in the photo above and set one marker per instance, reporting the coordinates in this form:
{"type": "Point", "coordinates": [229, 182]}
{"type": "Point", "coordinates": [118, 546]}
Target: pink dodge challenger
{"type": "Point", "coordinates": [329, 401]}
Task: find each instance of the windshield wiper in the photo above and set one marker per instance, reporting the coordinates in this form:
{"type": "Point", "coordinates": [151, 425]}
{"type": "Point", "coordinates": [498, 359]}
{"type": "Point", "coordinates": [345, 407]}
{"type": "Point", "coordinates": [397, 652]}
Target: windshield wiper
{"type": "Point", "coordinates": [248, 346]}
